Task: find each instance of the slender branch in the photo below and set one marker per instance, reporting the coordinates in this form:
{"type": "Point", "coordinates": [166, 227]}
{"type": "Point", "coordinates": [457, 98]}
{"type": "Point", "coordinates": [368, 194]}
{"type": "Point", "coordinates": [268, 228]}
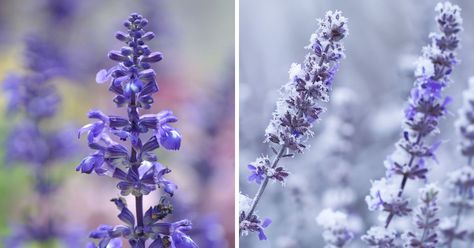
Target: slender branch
{"type": "Point", "coordinates": [404, 180]}
{"type": "Point", "coordinates": [134, 161]}
{"type": "Point", "coordinates": [263, 186]}
{"type": "Point", "coordinates": [139, 210]}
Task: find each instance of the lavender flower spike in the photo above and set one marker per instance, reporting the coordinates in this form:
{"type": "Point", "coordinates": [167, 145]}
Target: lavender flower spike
{"type": "Point", "coordinates": [426, 106]}
{"type": "Point", "coordinates": [298, 108]}
{"type": "Point", "coordinates": [426, 219]}
{"type": "Point", "coordinates": [135, 166]}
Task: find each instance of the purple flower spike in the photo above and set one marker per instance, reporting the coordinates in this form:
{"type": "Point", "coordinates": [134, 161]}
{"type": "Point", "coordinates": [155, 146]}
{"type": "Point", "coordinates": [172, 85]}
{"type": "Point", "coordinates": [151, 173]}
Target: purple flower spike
{"type": "Point", "coordinates": [257, 174]}
{"type": "Point", "coordinates": [135, 166]}
{"type": "Point", "coordinates": [265, 224]}
{"type": "Point", "coordinates": [298, 109]}
{"type": "Point", "coordinates": [410, 161]}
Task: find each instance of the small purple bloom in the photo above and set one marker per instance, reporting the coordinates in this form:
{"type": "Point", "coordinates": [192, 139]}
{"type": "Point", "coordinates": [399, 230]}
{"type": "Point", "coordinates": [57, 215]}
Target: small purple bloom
{"type": "Point", "coordinates": [265, 224]}
{"type": "Point", "coordinates": [180, 239]}
{"type": "Point", "coordinates": [258, 174]}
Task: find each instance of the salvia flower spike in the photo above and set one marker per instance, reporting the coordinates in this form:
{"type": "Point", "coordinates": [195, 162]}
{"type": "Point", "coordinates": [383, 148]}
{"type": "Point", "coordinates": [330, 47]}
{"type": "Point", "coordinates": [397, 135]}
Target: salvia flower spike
{"type": "Point", "coordinates": [133, 81]}
{"type": "Point", "coordinates": [426, 106]}
{"type": "Point", "coordinates": [299, 107]}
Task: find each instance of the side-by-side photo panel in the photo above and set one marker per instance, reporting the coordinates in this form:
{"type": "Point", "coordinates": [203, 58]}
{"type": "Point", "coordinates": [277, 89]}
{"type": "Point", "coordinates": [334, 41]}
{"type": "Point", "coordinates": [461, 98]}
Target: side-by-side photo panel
{"type": "Point", "coordinates": [117, 124]}
{"type": "Point", "coordinates": [356, 124]}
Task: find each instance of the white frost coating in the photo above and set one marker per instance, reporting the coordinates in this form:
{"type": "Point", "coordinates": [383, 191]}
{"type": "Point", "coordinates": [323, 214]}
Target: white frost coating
{"type": "Point", "coordinates": [331, 20]}
{"type": "Point", "coordinates": [431, 51]}
{"type": "Point", "coordinates": [424, 67]}
{"type": "Point", "coordinates": [312, 40]}
{"type": "Point", "coordinates": [295, 72]}
{"type": "Point", "coordinates": [381, 190]}
{"type": "Point", "coordinates": [449, 8]}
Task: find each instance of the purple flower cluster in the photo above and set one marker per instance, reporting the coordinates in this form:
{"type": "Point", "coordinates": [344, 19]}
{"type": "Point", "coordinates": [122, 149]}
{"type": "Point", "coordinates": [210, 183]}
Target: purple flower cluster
{"type": "Point", "coordinates": [33, 97]}
{"type": "Point", "coordinates": [298, 108]}
{"type": "Point", "coordinates": [136, 167]}
{"type": "Point", "coordinates": [426, 106]}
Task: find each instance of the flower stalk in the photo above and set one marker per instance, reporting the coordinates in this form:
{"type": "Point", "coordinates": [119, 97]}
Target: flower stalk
{"type": "Point", "coordinates": [135, 166]}
{"type": "Point", "coordinates": [426, 107]}
{"type": "Point", "coordinates": [298, 108]}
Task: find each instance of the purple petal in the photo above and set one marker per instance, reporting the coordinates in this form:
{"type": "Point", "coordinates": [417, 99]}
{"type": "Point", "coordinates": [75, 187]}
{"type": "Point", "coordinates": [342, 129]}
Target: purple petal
{"type": "Point", "coordinates": [170, 139]}
{"type": "Point", "coordinates": [266, 223]}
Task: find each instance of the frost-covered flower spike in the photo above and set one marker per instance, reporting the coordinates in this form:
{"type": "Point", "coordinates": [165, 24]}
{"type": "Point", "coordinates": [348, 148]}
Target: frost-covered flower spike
{"type": "Point", "coordinates": [461, 181]}
{"type": "Point", "coordinates": [425, 218]}
{"type": "Point", "coordinates": [298, 108]}
{"type": "Point", "coordinates": [337, 233]}
{"type": "Point", "coordinates": [426, 106]}
{"type": "Point", "coordinates": [136, 167]}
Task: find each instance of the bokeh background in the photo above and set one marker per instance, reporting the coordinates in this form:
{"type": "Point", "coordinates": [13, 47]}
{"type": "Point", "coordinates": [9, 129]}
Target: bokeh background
{"type": "Point", "coordinates": [196, 79]}
{"type": "Point", "coordinates": [363, 119]}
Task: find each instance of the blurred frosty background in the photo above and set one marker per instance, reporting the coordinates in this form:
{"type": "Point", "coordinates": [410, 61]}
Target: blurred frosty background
{"type": "Point", "coordinates": [196, 79]}
{"type": "Point", "coordinates": [364, 117]}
